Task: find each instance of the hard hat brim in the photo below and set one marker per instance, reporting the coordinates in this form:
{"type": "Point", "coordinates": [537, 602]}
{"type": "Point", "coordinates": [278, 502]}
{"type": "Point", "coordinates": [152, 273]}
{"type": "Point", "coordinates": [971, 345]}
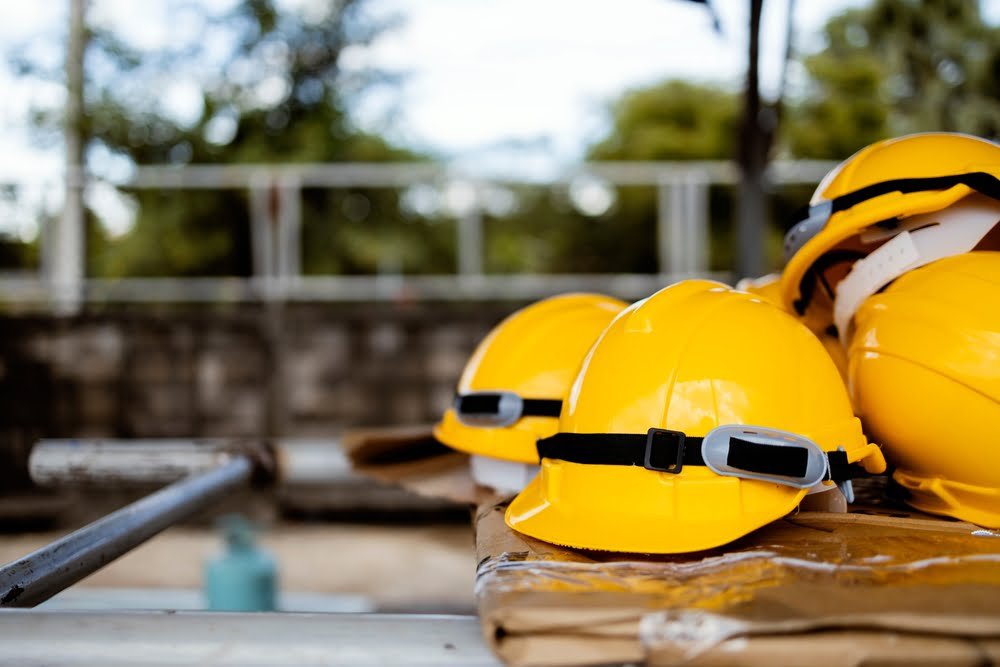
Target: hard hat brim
{"type": "Point", "coordinates": [618, 521]}
{"type": "Point", "coordinates": [975, 504]}
{"type": "Point", "coordinates": [511, 443]}
{"type": "Point", "coordinates": [846, 224]}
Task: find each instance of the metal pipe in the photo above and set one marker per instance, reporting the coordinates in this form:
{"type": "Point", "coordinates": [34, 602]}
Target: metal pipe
{"type": "Point", "coordinates": [107, 462]}
{"type": "Point", "coordinates": [310, 474]}
{"type": "Point", "coordinates": [40, 575]}
{"type": "Point", "coordinates": [141, 462]}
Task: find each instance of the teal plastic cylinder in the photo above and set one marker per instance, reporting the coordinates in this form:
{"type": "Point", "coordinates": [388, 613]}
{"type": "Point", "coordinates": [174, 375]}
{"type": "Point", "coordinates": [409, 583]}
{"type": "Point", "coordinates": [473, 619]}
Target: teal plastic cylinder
{"type": "Point", "coordinates": [244, 577]}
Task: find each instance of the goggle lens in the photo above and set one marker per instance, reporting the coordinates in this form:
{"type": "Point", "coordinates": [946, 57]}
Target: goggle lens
{"type": "Point", "coordinates": [489, 409]}
{"type": "Point", "coordinates": [752, 452]}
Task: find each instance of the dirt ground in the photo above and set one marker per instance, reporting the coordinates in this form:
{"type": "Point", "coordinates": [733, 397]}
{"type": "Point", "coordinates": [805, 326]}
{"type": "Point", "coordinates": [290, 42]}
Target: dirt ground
{"type": "Point", "coordinates": [399, 567]}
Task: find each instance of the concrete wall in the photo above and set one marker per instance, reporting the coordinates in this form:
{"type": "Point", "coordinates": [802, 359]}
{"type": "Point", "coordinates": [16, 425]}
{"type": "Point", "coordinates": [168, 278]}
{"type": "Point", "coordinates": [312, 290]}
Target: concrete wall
{"type": "Point", "coordinates": [301, 370]}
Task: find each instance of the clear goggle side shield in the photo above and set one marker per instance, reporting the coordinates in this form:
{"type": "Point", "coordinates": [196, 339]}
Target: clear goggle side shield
{"type": "Point", "coordinates": [766, 454]}
{"type": "Point", "coordinates": [815, 218]}
{"type": "Point", "coordinates": [489, 409]}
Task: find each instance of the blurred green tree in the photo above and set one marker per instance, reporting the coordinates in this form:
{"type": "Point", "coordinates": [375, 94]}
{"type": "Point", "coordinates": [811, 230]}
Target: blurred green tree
{"type": "Point", "coordinates": [891, 68]}
{"type": "Point", "coordinates": [673, 120]}
{"type": "Point", "coordinates": [278, 94]}
{"type": "Point", "coordinates": [15, 254]}
{"type": "Point", "coordinates": [897, 67]}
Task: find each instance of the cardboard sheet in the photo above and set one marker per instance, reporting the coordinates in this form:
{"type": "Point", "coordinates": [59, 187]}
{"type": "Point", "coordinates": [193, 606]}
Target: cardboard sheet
{"type": "Point", "coordinates": [410, 457]}
{"type": "Point", "coordinates": [875, 587]}
{"type": "Point", "coordinates": [879, 585]}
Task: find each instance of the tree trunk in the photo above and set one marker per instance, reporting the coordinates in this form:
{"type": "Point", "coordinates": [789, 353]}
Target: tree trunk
{"type": "Point", "coordinates": [753, 151]}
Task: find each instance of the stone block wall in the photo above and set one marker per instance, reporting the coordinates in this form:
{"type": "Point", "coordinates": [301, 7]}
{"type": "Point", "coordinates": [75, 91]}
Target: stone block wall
{"type": "Point", "coordinates": [246, 371]}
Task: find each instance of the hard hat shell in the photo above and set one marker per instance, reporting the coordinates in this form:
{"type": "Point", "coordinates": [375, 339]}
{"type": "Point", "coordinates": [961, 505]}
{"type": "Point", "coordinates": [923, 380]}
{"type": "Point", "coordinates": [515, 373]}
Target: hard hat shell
{"type": "Point", "coordinates": [913, 156]}
{"type": "Point", "coordinates": [769, 288]}
{"type": "Point", "coordinates": [535, 353]}
{"type": "Point", "coordinates": [694, 356]}
{"type": "Point", "coordinates": [924, 367]}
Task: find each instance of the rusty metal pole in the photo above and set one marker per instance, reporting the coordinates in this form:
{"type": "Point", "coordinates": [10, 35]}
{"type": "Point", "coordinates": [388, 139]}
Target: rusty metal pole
{"type": "Point", "coordinates": [53, 568]}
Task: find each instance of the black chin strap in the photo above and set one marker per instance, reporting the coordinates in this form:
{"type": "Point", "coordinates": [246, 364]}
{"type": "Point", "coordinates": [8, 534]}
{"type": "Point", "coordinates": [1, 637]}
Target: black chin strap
{"type": "Point", "coordinates": [980, 181]}
{"type": "Point", "coordinates": [662, 450]}
{"type": "Point", "coordinates": [668, 451]}
{"type": "Point", "coordinates": [541, 407]}
{"type": "Point", "coordinates": [490, 404]}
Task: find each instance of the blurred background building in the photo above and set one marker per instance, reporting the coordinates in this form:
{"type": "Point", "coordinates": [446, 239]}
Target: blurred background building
{"type": "Point", "coordinates": [283, 218]}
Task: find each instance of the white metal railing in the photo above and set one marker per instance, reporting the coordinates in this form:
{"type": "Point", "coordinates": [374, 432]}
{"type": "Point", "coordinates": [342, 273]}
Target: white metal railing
{"type": "Point", "coordinates": [682, 234]}
{"type": "Point", "coordinates": [357, 289]}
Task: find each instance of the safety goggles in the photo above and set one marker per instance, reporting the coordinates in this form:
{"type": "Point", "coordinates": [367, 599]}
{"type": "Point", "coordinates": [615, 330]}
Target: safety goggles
{"type": "Point", "coordinates": [814, 218]}
{"type": "Point", "coordinates": [733, 450]}
{"type": "Point", "coordinates": [496, 409]}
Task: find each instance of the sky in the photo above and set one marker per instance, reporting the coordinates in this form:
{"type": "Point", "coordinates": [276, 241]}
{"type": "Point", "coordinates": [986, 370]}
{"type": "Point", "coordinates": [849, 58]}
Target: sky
{"type": "Point", "coordinates": [483, 77]}
{"type": "Point", "coordinates": [489, 74]}
{"type": "Point", "coordinates": [489, 84]}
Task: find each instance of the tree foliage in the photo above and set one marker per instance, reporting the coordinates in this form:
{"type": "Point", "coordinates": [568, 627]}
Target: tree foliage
{"type": "Point", "coordinates": [897, 67]}
{"type": "Point", "coordinates": [674, 120]}
{"type": "Point", "coordinates": [891, 68]}
{"type": "Point", "coordinates": [280, 94]}
{"type": "Point", "coordinates": [305, 121]}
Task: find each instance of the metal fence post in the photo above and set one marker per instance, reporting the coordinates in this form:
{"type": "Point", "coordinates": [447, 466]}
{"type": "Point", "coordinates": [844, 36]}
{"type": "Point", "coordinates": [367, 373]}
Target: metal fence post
{"type": "Point", "coordinates": [470, 239]}
{"type": "Point", "coordinates": [682, 234]}
{"type": "Point", "coordinates": [673, 225]}
{"type": "Point", "coordinates": [289, 259]}
{"type": "Point", "coordinates": [663, 240]}
{"type": "Point", "coordinates": [261, 235]}
{"type": "Point", "coordinates": [696, 224]}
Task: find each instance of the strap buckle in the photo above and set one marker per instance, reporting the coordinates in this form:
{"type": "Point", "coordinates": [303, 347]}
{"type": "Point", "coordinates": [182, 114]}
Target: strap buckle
{"type": "Point", "coordinates": [656, 463]}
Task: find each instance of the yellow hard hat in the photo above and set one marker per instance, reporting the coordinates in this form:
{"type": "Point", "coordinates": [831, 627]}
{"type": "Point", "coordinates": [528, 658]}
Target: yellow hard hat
{"type": "Point", "coordinates": [512, 389]}
{"type": "Point", "coordinates": [870, 198]}
{"type": "Point", "coordinates": [924, 363]}
{"type": "Point", "coordinates": [701, 414]}
{"type": "Point", "coordinates": [769, 288]}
